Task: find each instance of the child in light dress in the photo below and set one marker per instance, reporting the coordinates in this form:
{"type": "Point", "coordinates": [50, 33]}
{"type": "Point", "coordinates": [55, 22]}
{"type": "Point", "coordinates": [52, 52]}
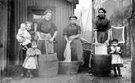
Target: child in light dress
{"type": "Point", "coordinates": [31, 60]}
{"type": "Point", "coordinates": [23, 36]}
{"type": "Point", "coordinates": [117, 61]}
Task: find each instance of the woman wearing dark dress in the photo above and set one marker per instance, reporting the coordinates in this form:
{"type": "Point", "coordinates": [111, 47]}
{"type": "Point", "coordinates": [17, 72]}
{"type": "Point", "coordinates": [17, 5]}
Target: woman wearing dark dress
{"type": "Point", "coordinates": [102, 27]}
{"type": "Point", "coordinates": [44, 29]}
{"type": "Point", "coordinates": [72, 33]}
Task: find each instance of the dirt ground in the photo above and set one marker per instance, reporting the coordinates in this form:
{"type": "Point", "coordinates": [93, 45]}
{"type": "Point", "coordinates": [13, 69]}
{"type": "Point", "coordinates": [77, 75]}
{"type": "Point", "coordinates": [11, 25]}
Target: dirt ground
{"type": "Point", "coordinates": [78, 78]}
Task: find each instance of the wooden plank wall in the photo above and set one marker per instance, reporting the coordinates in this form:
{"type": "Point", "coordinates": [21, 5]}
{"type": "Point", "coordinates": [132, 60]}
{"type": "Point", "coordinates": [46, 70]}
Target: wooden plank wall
{"type": "Point", "coordinates": [3, 34]}
{"type": "Point", "coordinates": [62, 12]}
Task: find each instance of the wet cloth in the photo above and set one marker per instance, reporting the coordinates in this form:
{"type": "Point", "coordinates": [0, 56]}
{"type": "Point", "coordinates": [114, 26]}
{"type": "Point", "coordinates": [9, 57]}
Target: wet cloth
{"type": "Point", "coordinates": [44, 41]}
{"type": "Point", "coordinates": [73, 51]}
{"type": "Point", "coordinates": [118, 33]}
{"type": "Point", "coordinates": [76, 45]}
{"type": "Point", "coordinates": [67, 52]}
{"type": "Point", "coordinates": [101, 49]}
{"type": "Point", "coordinates": [31, 61]}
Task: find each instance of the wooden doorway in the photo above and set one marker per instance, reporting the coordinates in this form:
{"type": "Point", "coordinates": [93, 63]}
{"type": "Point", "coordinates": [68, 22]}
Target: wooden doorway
{"type": "Point", "coordinates": [35, 14]}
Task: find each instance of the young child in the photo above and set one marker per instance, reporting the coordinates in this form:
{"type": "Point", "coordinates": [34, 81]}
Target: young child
{"type": "Point", "coordinates": [117, 61]}
{"type": "Point", "coordinates": [30, 62]}
{"type": "Point", "coordinates": [29, 26]}
{"type": "Point", "coordinates": [23, 36]}
{"type": "Point", "coordinates": [30, 29]}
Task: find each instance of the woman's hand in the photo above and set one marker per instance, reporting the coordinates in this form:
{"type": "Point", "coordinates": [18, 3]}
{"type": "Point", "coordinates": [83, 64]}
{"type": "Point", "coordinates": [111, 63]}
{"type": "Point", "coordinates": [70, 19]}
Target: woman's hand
{"type": "Point", "coordinates": [106, 42]}
{"type": "Point", "coordinates": [51, 40]}
{"type": "Point", "coordinates": [71, 38]}
{"type": "Point", "coordinates": [38, 36]}
{"type": "Point", "coordinates": [74, 37]}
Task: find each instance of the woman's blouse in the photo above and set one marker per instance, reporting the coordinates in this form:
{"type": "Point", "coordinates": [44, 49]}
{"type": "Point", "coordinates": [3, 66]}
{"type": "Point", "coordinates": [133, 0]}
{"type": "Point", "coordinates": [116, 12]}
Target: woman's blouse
{"type": "Point", "coordinates": [102, 24]}
{"type": "Point", "coordinates": [45, 26]}
{"type": "Point", "coordinates": [72, 29]}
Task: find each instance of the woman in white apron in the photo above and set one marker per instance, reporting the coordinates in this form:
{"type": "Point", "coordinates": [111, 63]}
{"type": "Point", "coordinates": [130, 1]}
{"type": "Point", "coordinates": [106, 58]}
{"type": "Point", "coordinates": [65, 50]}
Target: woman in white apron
{"type": "Point", "coordinates": [44, 30]}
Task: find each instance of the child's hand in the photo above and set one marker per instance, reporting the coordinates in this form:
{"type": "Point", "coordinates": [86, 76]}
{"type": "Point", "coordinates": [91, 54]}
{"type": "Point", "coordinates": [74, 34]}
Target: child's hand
{"type": "Point", "coordinates": [117, 49]}
{"type": "Point", "coordinates": [112, 51]}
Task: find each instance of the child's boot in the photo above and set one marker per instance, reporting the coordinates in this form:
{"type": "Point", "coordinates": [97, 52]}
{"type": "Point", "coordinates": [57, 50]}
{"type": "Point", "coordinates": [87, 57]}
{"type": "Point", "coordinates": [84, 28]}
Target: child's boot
{"type": "Point", "coordinates": [31, 76]}
{"type": "Point", "coordinates": [28, 73]}
{"type": "Point", "coordinates": [115, 72]}
{"type": "Point", "coordinates": [23, 71]}
{"type": "Point", "coordinates": [119, 72]}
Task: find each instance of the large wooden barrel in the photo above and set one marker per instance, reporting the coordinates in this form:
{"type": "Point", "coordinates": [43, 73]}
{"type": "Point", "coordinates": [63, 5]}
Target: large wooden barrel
{"type": "Point", "coordinates": [68, 67]}
{"type": "Point", "coordinates": [48, 65]}
{"type": "Point", "coordinates": [101, 65]}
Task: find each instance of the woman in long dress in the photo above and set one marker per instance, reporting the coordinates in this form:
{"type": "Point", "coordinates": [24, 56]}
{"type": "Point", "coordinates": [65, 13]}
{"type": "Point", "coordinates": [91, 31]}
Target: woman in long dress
{"type": "Point", "coordinates": [102, 27]}
{"type": "Point", "coordinates": [44, 32]}
{"type": "Point", "coordinates": [72, 35]}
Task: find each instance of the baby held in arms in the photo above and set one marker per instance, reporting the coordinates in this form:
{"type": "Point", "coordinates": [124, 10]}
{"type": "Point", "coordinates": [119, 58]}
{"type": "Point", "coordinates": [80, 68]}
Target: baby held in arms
{"type": "Point", "coordinates": [23, 36]}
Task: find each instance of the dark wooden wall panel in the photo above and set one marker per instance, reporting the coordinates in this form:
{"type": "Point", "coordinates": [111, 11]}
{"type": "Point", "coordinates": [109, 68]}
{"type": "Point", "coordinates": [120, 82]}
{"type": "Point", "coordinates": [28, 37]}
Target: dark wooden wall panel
{"type": "Point", "coordinates": [3, 34]}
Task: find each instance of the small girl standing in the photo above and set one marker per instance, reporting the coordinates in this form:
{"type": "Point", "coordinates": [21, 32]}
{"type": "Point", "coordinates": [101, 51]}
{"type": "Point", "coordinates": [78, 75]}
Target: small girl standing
{"type": "Point", "coordinates": [117, 61]}
{"type": "Point", "coordinates": [31, 62]}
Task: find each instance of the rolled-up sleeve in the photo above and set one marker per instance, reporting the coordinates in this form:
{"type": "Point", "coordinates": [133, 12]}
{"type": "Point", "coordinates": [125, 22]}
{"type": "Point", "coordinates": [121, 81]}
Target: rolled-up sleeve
{"type": "Point", "coordinates": [95, 24]}
{"type": "Point", "coordinates": [18, 35]}
{"type": "Point", "coordinates": [79, 30]}
{"type": "Point", "coordinates": [65, 31]}
{"type": "Point", "coordinates": [109, 24]}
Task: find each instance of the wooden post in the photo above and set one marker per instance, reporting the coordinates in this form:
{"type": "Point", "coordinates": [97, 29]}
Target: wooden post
{"type": "Point", "coordinates": [133, 44]}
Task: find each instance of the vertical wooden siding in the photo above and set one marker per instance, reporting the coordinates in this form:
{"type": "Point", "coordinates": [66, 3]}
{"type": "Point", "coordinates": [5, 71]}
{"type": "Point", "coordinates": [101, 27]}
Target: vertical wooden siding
{"type": "Point", "coordinates": [3, 33]}
{"type": "Point", "coordinates": [62, 12]}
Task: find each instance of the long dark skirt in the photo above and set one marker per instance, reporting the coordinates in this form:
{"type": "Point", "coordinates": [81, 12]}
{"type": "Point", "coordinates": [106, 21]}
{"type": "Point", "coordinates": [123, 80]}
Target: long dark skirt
{"type": "Point", "coordinates": [21, 55]}
{"type": "Point", "coordinates": [102, 36]}
{"type": "Point", "coordinates": [76, 50]}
